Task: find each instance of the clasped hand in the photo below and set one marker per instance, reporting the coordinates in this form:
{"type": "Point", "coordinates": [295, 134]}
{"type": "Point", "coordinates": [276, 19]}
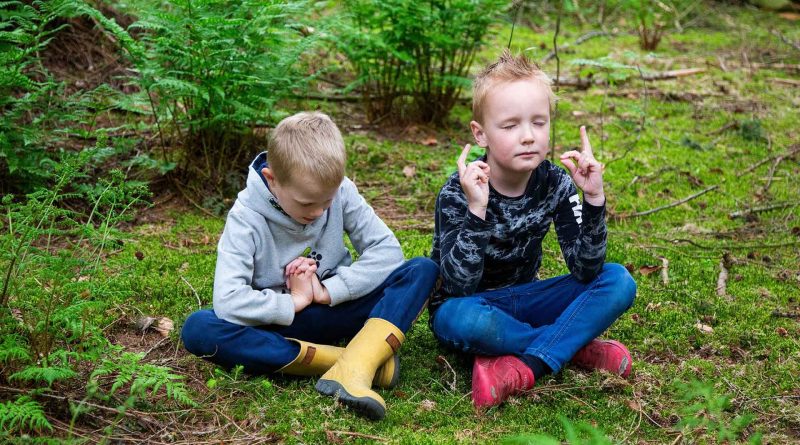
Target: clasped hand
{"type": "Point", "coordinates": [304, 285]}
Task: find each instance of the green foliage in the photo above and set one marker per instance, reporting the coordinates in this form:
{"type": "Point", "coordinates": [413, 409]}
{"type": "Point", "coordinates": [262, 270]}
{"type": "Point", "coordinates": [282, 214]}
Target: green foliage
{"type": "Point", "coordinates": [143, 378]}
{"type": "Point", "coordinates": [705, 414]}
{"type": "Point", "coordinates": [22, 414]}
{"type": "Point", "coordinates": [48, 374]}
{"type": "Point", "coordinates": [212, 70]}
{"type": "Point", "coordinates": [35, 112]}
{"type": "Point", "coordinates": [412, 57]}
{"type": "Point", "coordinates": [576, 434]}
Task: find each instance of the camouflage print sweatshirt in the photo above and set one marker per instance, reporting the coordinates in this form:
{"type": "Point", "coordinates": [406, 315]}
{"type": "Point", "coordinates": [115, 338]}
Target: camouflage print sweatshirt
{"type": "Point", "coordinates": [475, 255]}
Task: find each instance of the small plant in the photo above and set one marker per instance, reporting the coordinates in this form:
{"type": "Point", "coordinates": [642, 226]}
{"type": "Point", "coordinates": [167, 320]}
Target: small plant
{"type": "Point", "coordinates": [51, 300]}
{"type": "Point", "coordinates": [576, 434]}
{"type": "Point", "coordinates": [411, 58]}
{"type": "Point", "coordinates": [211, 71]}
{"type": "Point", "coordinates": [653, 18]}
{"type": "Point", "coordinates": [706, 415]}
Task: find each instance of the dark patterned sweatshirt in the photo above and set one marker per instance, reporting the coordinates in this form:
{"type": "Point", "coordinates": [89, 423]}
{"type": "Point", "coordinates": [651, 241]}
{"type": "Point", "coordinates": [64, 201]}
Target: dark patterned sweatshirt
{"type": "Point", "coordinates": [506, 249]}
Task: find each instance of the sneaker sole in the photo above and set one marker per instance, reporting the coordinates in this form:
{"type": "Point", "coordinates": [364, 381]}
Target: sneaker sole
{"type": "Point", "coordinates": [366, 406]}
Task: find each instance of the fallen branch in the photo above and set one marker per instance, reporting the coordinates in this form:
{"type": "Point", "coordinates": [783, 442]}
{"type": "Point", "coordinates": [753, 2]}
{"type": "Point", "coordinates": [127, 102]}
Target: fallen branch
{"type": "Point", "coordinates": [446, 365]}
{"type": "Point", "coordinates": [788, 154]}
{"type": "Point", "coordinates": [747, 212]}
{"type": "Point", "coordinates": [665, 271]}
{"type": "Point", "coordinates": [664, 75]}
{"type": "Point", "coordinates": [771, 175]}
{"type": "Point", "coordinates": [779, 314]}
{"type": "Point", "coordinates": [777, 66]}
{"type": "Point", "coordinates": [792, 82]}
{"type": "Point", "coordinates": [722, 280]}
{"type": "Point", "coordinates": [361, 435]}
{"type": "Point", "coordinates": [673, 204]}
{"type": "Point", "coordinates": [786, 40]}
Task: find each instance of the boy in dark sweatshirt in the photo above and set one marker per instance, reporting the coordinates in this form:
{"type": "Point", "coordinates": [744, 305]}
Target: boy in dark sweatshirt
{"type": "Point", "coordinates": [491, 217]}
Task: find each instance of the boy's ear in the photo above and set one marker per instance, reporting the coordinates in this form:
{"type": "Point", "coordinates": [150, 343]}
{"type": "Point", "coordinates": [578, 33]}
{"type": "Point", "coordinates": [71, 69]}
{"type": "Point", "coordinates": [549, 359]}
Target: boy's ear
{"type": "Point", "coordinates": [268, 175]}
{"type": "Point", "coordinates": [478, 134]}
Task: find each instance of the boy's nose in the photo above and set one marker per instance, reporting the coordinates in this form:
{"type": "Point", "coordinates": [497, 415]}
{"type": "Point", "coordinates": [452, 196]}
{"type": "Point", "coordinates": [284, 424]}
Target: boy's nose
{"type": "Point", "coordinates": [317, 212]}
{"type": "Point", "coordinates": [527, 134]}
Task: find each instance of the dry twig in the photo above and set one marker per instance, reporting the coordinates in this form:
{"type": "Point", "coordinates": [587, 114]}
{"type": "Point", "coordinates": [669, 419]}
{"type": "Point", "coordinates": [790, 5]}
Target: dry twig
{"type": "Point", "coordinates": [673, 204]}
{"type": "Point", "coordinates": [722, 280]}
{"type": "Point", "coordinates": [665, 271]}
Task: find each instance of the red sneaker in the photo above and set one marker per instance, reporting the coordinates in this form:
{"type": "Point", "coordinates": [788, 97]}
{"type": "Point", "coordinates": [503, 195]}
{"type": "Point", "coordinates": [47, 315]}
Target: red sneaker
{"type": "Point", "coordinates": [496, 378]}
{"type": "Point", "coordinates": [610, 355]}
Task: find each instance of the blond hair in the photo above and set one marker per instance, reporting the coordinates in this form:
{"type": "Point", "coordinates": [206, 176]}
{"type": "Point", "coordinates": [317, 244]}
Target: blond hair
{"type": "Point", "coordinates": [506, 69]}
{"type": "Point", "coordinates": [307, 144]}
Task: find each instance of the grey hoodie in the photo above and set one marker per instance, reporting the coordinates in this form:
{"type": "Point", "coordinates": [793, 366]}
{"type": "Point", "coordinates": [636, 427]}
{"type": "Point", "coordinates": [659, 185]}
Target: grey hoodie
{"type": "Point", "coordinates": [259, 240]}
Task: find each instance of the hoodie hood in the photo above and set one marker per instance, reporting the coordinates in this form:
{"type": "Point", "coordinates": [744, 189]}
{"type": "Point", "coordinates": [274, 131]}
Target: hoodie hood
{"type": "Point", "coordinates": [258, 197]}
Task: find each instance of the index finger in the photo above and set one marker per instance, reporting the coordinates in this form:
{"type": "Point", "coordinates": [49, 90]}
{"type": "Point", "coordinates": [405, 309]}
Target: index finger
{"type": "Point", "coordinates": [587, 147]}
{"type": "Point", "coordinates": [462, 160]}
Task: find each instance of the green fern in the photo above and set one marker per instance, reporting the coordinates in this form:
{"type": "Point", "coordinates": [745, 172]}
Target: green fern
{"type": "Point", "coordinates": [144, 379]}
{"type": "Point", "coordinates": [22, 414]}
{"type": "Point", "coordinates": [14, 348]}
{"type": "Point", "coordinates": [47, 374]}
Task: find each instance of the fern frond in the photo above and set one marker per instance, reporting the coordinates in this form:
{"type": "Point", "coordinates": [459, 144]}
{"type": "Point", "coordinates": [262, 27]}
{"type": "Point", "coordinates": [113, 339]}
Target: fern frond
{"type": "Point", "coordinates": [47, 374]}
{"type": "Point", "coordinates": [13, 348]}
{"type": "Point", "coordinates": [23, 414]}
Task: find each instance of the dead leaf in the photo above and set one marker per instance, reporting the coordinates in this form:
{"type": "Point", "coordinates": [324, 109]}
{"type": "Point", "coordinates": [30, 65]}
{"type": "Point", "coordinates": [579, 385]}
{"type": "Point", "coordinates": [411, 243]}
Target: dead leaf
{"type": "Point", "coordinates": [782, 332]}
{"type": "Point", "coordinates": [793, 16]}
{"type": "Point", "coordinates": [652, 307]}
{"type": "Point", "coordinates": [139, 255]}
{"type": "Point", "coordinates": [647, 270]}
{"type": "Point", "coordinates": [704, 328]}
{"type": "Point", "coordinates": [634, 405]}
{"type": "Point", "coordinates": [427, 405]}
{"type": "Point", "coordinates": [577, 113]}
{"type": "Point", "coordinates": [409, 171]}
{"type": "Point", "coordinates": [162, 325]}
{"type": "Point", "coordinates": [429, 141]}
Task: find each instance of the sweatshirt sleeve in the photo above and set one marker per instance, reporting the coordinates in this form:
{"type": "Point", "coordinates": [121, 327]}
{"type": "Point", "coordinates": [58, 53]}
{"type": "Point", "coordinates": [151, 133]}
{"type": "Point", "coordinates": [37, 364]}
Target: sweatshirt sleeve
{"type": "Point", "coordinates": [460, 242]}
{"type": "Point", "coordinates": [378, 249]}
{"type": "Point", "coordinates": [581, 230]}
{"type": "Point", "coordinates": [235, 300]}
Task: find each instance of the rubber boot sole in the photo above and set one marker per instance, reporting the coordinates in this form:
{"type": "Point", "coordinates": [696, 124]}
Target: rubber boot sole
{"type": "Point", "coordinates": [365, 406]}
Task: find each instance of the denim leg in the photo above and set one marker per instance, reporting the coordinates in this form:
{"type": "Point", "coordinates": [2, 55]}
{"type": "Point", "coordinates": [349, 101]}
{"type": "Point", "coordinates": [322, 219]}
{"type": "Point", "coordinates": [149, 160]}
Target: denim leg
{"type": "Point", "coordinates": [264, 349]}
{"type": "Point", "coordinates": [228, 344]}
{"type": "Point", "coordinates": [405, 293]}
{"type": "Point", "coordinates": [550, 319]}
{"type": "Point", "coordinates": [478, 325]}
{"type": "Point", "coordinates": [567, 314]}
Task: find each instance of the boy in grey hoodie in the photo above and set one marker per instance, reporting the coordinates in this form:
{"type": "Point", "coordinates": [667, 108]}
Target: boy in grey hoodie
{"type": "Point", "coordinates": [286, 288]}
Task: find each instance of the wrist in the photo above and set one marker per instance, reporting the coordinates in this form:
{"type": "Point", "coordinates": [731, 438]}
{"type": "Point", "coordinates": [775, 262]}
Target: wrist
{"type": "Point", "coordinates": [478, 210]}
{"type": "Point", "coordinates": [595, 199]}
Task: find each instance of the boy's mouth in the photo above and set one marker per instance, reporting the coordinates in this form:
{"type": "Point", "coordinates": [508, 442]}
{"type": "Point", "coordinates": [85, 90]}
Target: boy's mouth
{"type": "Point", "coordinates": [527, 154]}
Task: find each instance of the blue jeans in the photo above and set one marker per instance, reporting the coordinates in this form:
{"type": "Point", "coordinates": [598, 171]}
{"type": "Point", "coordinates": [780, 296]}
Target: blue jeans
{"type": "Point", "coordinates": [263, 349]}
{"type": "Point", "coordinates": [550, 319]}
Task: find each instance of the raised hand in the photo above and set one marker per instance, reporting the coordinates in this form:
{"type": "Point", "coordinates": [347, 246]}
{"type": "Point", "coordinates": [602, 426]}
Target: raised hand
{"type": "Point", "coordinates": [474, 178]}
{"type": "Point", "coordinates": [586, 171]}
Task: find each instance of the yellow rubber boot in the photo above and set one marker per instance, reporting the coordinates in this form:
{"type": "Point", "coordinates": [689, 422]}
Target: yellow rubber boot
{"type": "Point", "coordinates": [349, 379]}
{"type": "Point", "coordinates": [315, 359]}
